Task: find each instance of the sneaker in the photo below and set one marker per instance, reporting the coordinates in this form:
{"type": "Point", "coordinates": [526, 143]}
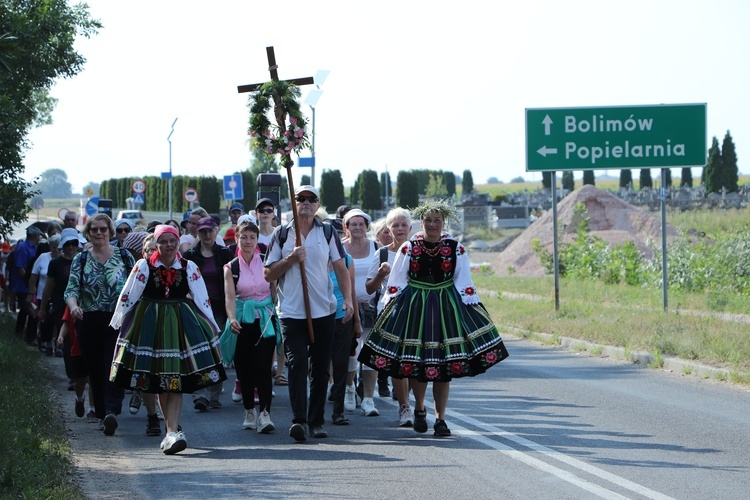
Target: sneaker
{"type": "Point", "coordinates": [265, 426]}
{"type": "Point", "coordinates": [153, 427]}
{"type": "Point", "coordinates": [214, 404]}
{"type": "Point", "coordinates": [350, 398]}
{"type": "Point", "coordinates": [405, 417]}
{"type": "Point", "coordinates": [91, 417]}
{"type": "Point", "coordinates": [360, 392]}
{"type": "Point", "coordinates": [420, 421]}
{"type": "Point", "coordinates": [80, 408]}
{"type": "Point", "coordinates": [135, 403]}
{"type": "Point", "coordinates": [200, 404]}
{"type": "Point", "coordinates": [237, 392]}
{"type": "Point", "coordinates": [368, 408]}
{"type": "Point", "coordinates": [251, 419]}
{"type": "Point", "coordinates": [175, 442]}
{"type": "Point", "coordinates": [317, 431]}
{"type": "Point", "coordinates": [110, 424]}
{"type": "Point", "coordinates": [441, 428]}
{"type": "Point", "coordinates": [383, 390]}
{"type": "Point", "coordinates": [297, 432]}
{"type": "Point", "coordinates": [59, 353]}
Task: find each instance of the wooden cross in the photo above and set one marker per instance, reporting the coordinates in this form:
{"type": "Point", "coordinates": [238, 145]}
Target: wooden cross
{"type": "Point", "coordinates": [288, 163]}
{"type": "Point", "coordinates": [274, 70]}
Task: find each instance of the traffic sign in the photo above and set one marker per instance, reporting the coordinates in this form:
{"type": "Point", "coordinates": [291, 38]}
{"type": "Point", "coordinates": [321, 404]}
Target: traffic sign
{"type": "Point", "coordinates": [139, 199]}
{"type": "Point", "coordinates": [190, 195]}
{"type": "Point", "coordinates": [92, 206]}
{"type": "Point", "coordinates": [88, 191]}
{"type": "Point", "coordinates": [139, 186]}
{"type": "Point", "coordinates": [306, 161]}
{"type": "Point", "coordinates": [233, 187]}
{"type": "Point", "coordinates": [658, 136]}
{"type": "Point", "coordinates": [61, 213]}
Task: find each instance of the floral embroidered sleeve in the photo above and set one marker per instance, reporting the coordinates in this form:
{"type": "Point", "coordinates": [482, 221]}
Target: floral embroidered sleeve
{"type": "Point", "coordinates": [462, 277]}
{"type": "Point", "coordinates": [131, 292]}
{"type": "Point", "coordinates": [199, 293]}
{"type": "Point", "coordinates": [399, 276]}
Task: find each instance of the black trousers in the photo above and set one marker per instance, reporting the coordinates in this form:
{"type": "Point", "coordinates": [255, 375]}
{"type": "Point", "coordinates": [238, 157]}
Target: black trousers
{"type": "Point", "coordinates": [298, 350]}
{"type": "Point", "coordinates": [252, 360]}
{"type": "Point", "coordinates": [97, 341]}
{"type": "Point", "coordinates": [341, 352]}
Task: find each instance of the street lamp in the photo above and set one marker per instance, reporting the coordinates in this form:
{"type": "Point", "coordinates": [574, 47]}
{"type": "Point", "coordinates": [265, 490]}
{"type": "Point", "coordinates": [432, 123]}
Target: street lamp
{"type": "Point", "coordinates": [169, 140]}
{"type": "Point", "coordinates": [311, 100]}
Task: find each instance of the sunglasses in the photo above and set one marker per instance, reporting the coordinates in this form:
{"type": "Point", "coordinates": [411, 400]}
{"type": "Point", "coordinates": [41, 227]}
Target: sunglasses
{"type": "Point", "coordinates": [266, 210]}
{"type": "Point", "coordinates": [311, 199]}
{"type": "Point", "coordinates": [96, 229]}
{"type": "Point", "coordinates": [123, 230]}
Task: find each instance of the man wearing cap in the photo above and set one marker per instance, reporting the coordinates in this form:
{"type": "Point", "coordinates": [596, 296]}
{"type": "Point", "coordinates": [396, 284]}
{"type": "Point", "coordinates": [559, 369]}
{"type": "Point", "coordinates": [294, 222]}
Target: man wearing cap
{"type": "Point", "coordinates": [24, 256]}
{"type": "Point", "coordinates": [283, 264]}
{"type": "Point", "coordinates": [236, 209]}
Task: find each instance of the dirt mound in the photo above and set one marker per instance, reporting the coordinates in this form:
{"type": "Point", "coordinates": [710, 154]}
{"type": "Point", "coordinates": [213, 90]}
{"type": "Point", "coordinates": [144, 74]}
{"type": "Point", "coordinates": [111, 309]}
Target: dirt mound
{"type": "Point", "coordinates": [610, 218]}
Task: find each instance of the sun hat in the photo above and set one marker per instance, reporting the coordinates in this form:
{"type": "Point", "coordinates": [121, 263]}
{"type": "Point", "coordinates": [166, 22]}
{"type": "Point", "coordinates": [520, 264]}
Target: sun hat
{"type": "Point", "coordinates": [355, 212]}
{"type": "Point", "coordinates": [308, 188]}
{"type": "Point", "coordinates": [70, 234]}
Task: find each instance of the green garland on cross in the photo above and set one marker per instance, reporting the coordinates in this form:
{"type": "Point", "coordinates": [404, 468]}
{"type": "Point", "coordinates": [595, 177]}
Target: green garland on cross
{"type": "Point", "coordinates": [289, 134]}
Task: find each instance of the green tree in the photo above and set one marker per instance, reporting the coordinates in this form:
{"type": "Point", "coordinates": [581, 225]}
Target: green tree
{"type": "Point", "coordinates": [53, 183]}
{"type": "Point", "coordinates": [588, 178]}
{"type": "Point", "coordinates": [547, 180]}
{"type": "Point", "coordinates": [568, 182]}
{"type": "Point", "coordinates": [354, 193]}
{"type": "Point", "coordinates": [686, 177]}
{"type": "Point", "coordinates": [36, 48]}
{"type": "Point", "coordinates": [449, 181]}
{"type": "Point", "coordinates": [729, 163]}
{"type": "Point", "coordinates": [467, 183]}
{"type": "Point", "coordinates": [304, 180]}
{"type": "Point", "coordinates": [331, 190]}
{"type": "Point", "coordinates": [713, 173]}
{"type": "Point", "coordinates": [387, 186]}
{"type": "Point", "coordinates": [436, 188]}
{"type": "Point", "coordinates": [667, 182]}
{"type": "Point", "coordinates": [369, 191]}
{"type": "Point", "coordinates": [626, 178]}
{"type": "Point", "coordinates": [406, 189]}
{"type": "Point", "coordinates": [645, 179]}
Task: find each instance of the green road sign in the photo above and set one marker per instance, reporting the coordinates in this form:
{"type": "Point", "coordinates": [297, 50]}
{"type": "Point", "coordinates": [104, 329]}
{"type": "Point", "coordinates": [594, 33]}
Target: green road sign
{"type": "Point", "coordinates": [659, 136]}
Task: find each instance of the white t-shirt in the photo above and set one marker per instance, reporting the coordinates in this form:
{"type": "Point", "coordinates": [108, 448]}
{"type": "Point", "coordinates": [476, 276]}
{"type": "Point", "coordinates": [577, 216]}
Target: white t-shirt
{"type": "Point", "coordinates": [361, 269]}
{"type": "Point", "coordinates": [373, 271]}
{"type": "Point", "coordinates": [40, 267]}
{"type": "Point", "coordinates": [319, 284]}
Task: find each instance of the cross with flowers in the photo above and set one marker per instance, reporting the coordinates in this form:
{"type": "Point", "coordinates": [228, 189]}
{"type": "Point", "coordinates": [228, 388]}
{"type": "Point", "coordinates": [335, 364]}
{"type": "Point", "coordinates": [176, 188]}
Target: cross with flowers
{"type": "Point", "coordinates": [291, 137]}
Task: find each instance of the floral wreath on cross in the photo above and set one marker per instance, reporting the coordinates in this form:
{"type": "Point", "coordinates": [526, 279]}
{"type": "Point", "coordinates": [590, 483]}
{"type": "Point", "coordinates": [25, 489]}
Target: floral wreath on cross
{"type": "Point", "coordinates": [271, 138]}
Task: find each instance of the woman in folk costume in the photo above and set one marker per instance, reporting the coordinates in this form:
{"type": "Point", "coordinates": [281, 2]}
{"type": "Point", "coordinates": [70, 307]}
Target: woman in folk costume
{"type": "Point", "coordinates": [433, 327]}
{"type": "Point", "coordinates": [167, 343]}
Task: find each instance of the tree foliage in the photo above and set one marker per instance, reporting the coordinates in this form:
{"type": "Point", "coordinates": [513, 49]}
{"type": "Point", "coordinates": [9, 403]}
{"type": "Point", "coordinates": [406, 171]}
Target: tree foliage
{"type": "Point", "coordinates": [547, 180]}
{"type": "Point", "coordinates": [331, 190]}
{"type": "Point", "coordinates": [407, 195]}
{"type": "Point", "coordinates": [729, 163]}
{"type": "Point", "coordinates": [53, 183]}
{"type": "Point", "coordinates": [626, 178]}
{"type": "Point", "coordinates": [467, 183]}
{"type": "Point", "coordinates": [36, 48]}
{"type": "Point", "coordinates": [713, 174]}
{"type": "Point", "coordinates": [369, 191]}
{"type": "Point", "coordinates": [436, 187]}
{"type": "Point", "coordinates": [588, 178]}
{"type": "Point", "coordinates": [686, 177]}
{"type": "Point", "coordinates": [568, 182]}
{"type": "Point", "coordinates": [645, 179]}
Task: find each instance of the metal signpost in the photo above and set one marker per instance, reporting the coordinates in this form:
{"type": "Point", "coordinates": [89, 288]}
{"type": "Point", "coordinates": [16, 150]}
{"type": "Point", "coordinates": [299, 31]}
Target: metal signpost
{"type": "Point", "coordinates": [615, 137]}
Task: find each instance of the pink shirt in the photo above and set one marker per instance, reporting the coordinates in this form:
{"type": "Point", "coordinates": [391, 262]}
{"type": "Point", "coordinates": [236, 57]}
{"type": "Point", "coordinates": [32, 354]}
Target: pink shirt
{"type": "Point", "coordinates": [252, 284]}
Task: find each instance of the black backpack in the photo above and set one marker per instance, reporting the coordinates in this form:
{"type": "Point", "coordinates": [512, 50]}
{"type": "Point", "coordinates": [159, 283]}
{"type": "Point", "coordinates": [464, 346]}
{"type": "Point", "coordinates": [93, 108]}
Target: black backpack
{"type": "Point", "coordinates": [284, 231]}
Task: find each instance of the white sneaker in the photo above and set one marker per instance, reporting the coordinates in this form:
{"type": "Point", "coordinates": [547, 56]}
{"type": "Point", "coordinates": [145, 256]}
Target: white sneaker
{"type": "Point", "coordinates": [175, 442]}
{"type": "Point", "coordinates": [265, 426]}
{"type": "Point", "coordinates": [251, 419]}
{"type": "Point", "coordinates": [350, 398]}
{"type": "Point", "coordinates": [368, 408]}
{"type": "Point", "coordinates": [405, 417]}
{"type": "Point", "coordinates": [236, 392]}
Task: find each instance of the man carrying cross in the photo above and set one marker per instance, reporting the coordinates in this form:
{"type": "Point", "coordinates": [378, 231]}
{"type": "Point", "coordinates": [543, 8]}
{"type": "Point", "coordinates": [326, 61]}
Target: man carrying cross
{"type": "Point", "coordinates": [317, 249]}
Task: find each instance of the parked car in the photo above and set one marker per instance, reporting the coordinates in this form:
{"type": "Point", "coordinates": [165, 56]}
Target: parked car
{"type": "Point", "coordinates": [134, 215]}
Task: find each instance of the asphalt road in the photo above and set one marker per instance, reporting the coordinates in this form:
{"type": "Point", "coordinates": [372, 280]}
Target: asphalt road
{"type": "Point", "coordinates": [545, 423]}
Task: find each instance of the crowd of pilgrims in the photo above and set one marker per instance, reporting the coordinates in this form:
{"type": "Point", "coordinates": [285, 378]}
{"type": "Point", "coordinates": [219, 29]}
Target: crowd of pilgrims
{"type": "Point", "coordinates": [162, 309]}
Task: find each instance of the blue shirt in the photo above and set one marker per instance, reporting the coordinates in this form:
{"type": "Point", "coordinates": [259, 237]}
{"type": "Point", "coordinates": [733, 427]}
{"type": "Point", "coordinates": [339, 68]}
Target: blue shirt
{"type": "Point", "coordinates": [24, 254]}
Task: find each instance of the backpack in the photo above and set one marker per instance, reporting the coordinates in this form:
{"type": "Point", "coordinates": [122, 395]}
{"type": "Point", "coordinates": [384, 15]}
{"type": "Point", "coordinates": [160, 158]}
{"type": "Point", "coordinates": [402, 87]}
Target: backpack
{"type": "Point", "coordinates": [234, 264]}
{"type": "Point", "coordinates": [124, 254]}
{"type": "Point", "coordinates": [284, 231]}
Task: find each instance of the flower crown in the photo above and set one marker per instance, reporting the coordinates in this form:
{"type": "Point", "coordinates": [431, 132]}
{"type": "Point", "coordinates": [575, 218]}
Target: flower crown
{"type": "Point", "coordinates": [275, 139]}
{"type": "Point", "coordinates": [447, 211]}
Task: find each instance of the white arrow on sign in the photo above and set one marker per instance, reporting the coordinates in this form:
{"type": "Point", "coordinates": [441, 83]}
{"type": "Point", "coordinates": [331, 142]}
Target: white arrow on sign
{"type": "Point", "coordinates": [544, 151]}
{"type": "Point", "coordinates": [547, 122]}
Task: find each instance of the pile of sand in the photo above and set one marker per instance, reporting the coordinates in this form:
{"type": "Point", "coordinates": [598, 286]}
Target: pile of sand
{"type": "Point", "coordinates": [610, 218]}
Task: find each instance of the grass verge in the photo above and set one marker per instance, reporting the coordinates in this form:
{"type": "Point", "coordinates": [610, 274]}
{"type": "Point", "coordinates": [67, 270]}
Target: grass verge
{"type": "Point", "coordinates": [621, 316]}
{"type": "Point", "coordinates": [36, 457]}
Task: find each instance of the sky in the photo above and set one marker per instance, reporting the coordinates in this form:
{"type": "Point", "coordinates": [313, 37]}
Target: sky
{"type": "Point", "coordinates": [411, 85]}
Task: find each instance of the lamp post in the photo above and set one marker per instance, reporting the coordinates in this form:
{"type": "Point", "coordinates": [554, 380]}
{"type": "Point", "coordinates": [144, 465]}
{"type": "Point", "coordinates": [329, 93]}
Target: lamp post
{"type": "Point", "coordinates": [311, 100]}
{"type": "Point", "coordinates": [169, 140]}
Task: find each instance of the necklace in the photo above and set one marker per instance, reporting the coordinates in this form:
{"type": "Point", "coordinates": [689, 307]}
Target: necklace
{"type": "Point", "coordinates": [432, 252]}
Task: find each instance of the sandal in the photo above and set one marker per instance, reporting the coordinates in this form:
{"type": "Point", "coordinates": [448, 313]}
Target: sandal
{"type": "Point", "coordinates": [281, 379]}
{"type": "Point", "coordinates": [339, 419]}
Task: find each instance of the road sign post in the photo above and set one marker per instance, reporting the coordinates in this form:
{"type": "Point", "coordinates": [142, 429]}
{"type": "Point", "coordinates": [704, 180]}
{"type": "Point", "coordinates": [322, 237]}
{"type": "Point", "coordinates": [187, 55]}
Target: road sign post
{"type": "Point", "coordinates": [233, 187]}
{"type": "Point", "coordinates": [659, 136]}
{"type": "Point", "coordinates": [190, 195]}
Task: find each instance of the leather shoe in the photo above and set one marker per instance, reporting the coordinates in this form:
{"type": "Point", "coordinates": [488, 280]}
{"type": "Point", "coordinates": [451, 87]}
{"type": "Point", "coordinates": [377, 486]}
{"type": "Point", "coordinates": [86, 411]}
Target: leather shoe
{"type": "Point", "coordinates": [317, 431]}
{"type": "Point", "coordinates": [297, 432]}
